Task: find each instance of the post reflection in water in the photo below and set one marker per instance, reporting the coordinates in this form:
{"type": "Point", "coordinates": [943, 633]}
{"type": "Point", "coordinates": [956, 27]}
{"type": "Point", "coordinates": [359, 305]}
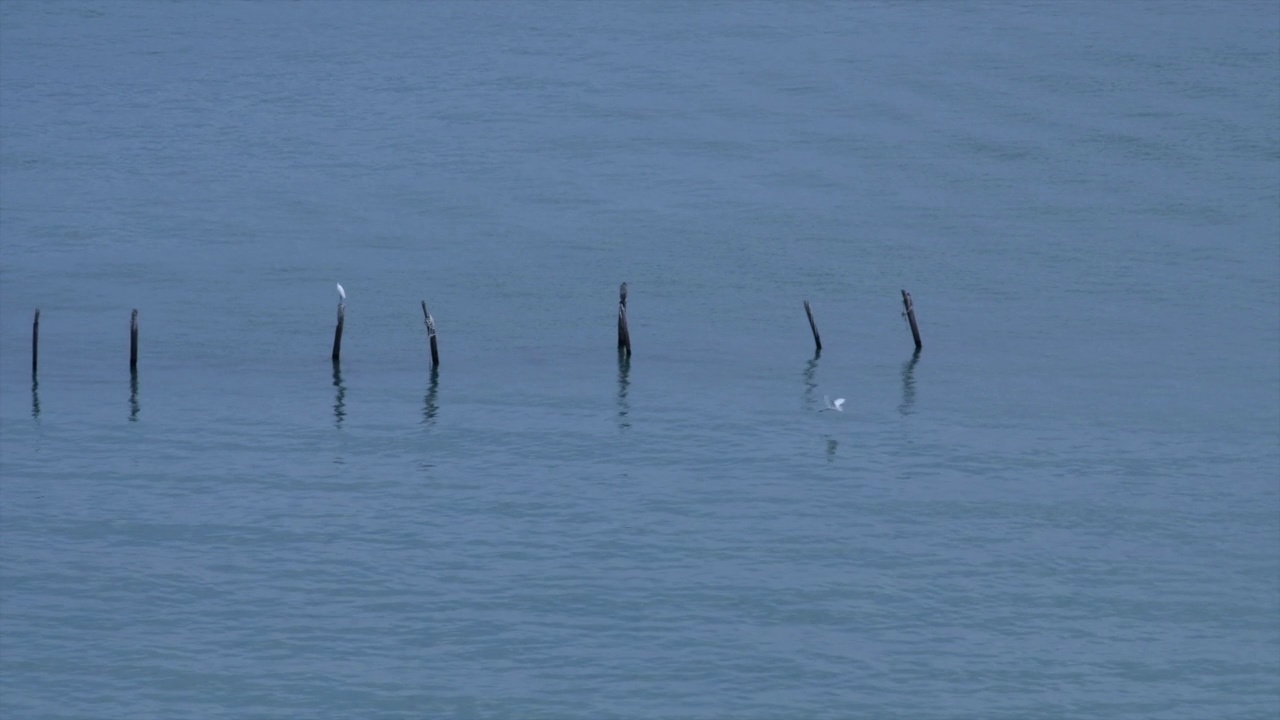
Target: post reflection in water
{"type": "Point", "coordinates": [339, 400]}
{"type": "Point", "coordinates": [35, 398]}
{"type": "Point", "coordinates": [832, 444]}
{"type": "Point", "coordinates": [133, 396]}
{"type": "Point", "coordinates": [909, 384]}
{"type": "Point", "coordinates": [624, 382]}
{"type": "Point", "coordinates": [810, 386]}
{"type": "Point", "coordinates": [431, 401]}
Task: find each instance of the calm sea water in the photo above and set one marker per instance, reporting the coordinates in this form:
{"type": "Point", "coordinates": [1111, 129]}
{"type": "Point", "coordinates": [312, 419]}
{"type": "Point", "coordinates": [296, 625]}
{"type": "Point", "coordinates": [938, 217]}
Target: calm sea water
{"type": "Point", "coordinates": [1068, 505]}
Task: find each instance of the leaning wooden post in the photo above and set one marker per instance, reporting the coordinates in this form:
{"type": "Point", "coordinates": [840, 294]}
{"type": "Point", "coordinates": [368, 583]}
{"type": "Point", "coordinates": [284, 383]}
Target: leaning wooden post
{"type": "Point", "coordinates": [337, 332]}
{"type": "Point", "coordinates": [133, 341]}
{"type": "Point", "coordinates": [911, 317]}
{"type": "Point", "coordinates": [431, 335]}
{"type": "Point", "coordinates": [624, 335]}
{"type": "Point", "coordinates": [817, 339]}
{"type": "Point", "coordinates": [35, 343]}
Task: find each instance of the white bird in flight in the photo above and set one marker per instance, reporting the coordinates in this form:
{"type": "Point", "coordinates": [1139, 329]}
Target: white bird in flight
{"type": "Point", "coordinates": [832, 405]}
{"type": "Point", "coordinates": [342, 293]}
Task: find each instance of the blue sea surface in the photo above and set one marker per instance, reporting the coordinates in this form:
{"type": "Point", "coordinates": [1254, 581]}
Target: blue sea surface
{"type": "Point", "coordinates": [1067, 504]}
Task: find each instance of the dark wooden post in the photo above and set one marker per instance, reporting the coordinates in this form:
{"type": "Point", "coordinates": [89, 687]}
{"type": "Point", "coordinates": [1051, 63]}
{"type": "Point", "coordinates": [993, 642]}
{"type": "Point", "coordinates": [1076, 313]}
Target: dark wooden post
{"type": "Point", "coordinates": [133, 341]}
{"type": "Point", "coordinates": [35, 343]}
{"type": "Point", "coordinates": [337, 332]}
{"type": "Point", "coordinates": [624, 335]}
{"type": "Point", "coordinates": [911, 317]}
{"type": "Point", "coordinates": [817, 339]}
{"type": "Point", "coordinates": [431, 335]}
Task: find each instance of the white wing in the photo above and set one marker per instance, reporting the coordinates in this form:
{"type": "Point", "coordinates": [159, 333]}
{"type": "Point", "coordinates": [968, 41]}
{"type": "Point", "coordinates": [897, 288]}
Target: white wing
{"type": "Point", "coordinates": [342, 293]}
{"type": "Point", "coordinates": [838, 403]}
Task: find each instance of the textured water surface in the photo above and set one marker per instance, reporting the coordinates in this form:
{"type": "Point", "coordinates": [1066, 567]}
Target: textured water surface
{"type": "Point", "coordinates": [1066, 505]}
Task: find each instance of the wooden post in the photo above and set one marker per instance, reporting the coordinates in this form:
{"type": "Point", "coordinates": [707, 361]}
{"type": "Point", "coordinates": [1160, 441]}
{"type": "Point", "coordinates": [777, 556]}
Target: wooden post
{"type": "Point", "coordinates": [911, 317]}
{"type": "Point", "coordinates": [624, 335]}
{"type": "Point", "coordinates": [35, 358]}
{"type": "Point", "coordinates": [431, 335]}
{"type": "Point", "coordinates": [337, 332]}
{"type": "Point", "coordinates": [817, 339]}
{"type": "Point", "coordinates": [133, 341]}
{"type": "Point", "coordinates": [35, 343]}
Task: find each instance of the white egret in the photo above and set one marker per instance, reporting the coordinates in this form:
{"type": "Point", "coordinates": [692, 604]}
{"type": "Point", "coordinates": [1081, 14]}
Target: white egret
{"type": "Point", "coordinates": [832, 405]}
{"type": "Point", "coordinates": [342, 293]}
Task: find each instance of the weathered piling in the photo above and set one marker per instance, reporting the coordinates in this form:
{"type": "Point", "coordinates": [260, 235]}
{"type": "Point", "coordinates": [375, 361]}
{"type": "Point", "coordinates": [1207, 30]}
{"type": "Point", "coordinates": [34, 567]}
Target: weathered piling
{"type": "Point", "coordinates": [431, 335]}
{"type": "Point", "coordinates": [133, 341]}
{"type": "Point", "coordinates": [624, 335]}
{"type": "Point", "coordinates": [134, 408]}
{"type": "Point", "coordinates": [35, 343]}
{"type": "Point", "coordinates": [910, 310]}
{"type": "Point", "coordinates": [337, 332]}
{"type": "Point", "coordinates": [817, 339]}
